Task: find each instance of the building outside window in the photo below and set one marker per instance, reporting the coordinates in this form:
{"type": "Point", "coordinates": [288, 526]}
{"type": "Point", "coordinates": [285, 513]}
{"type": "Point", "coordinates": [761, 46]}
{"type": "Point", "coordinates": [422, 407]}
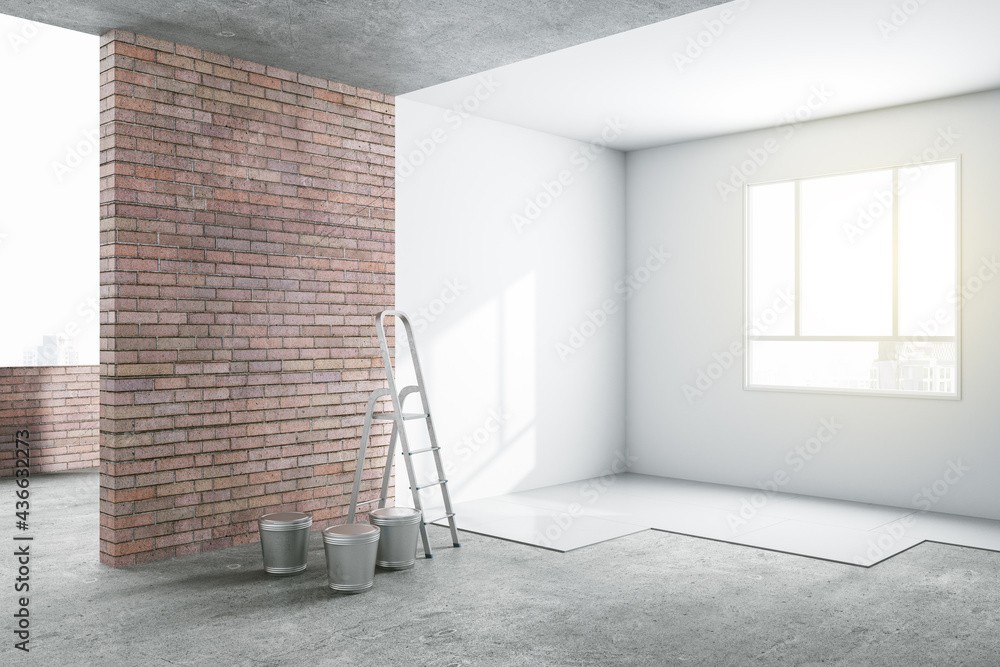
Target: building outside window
{"type": "Point", "coordinates": [852, 282]}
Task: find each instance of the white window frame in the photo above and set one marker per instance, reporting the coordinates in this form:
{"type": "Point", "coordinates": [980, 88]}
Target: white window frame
{"type": "Point", "coordinates": [748, 304]}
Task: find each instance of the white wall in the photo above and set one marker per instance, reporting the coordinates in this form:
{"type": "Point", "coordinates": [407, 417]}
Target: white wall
{"type": "Point", "coordinates": [889, 449]}
{"type": "Point", "coordinates": [491, 303]}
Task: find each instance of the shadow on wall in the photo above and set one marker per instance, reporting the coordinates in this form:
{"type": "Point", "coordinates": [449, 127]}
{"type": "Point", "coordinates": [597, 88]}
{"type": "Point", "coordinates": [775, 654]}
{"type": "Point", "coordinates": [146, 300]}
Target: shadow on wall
{"type": "Point", "coordinates": [491, 350]}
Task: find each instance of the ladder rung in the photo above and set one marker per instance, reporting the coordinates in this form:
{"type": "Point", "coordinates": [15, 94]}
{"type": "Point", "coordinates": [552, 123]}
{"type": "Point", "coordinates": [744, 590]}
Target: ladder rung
{"type": "Point", "coordinates": [427, 486]}
{"type": "Point", "coordinates": [423, 451]}
{"type": "Point", "coordinates": [369, 502]}
{"type": "Point", "coordinates": [389, 416]}
{"type": "Point", "coordinates": [440, 518]}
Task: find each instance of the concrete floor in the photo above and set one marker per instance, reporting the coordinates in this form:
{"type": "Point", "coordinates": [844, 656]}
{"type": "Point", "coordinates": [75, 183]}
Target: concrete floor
{"type": "Point", "coordinates": [651, 598]}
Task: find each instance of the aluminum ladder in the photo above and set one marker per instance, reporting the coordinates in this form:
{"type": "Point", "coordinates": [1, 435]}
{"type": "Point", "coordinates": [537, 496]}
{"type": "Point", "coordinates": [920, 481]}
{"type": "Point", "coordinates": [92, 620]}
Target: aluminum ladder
{"type": "Point", "coordinates": [398, 419]}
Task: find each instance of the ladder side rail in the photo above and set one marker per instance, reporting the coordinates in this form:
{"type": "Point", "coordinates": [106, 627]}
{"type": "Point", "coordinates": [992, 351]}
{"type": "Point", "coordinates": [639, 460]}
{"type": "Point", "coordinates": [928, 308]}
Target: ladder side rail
{"type": "Point", "coordinates": [387, 358]}
{"type": "Point", "coordinates": [363, 449]}
{"type": "Point", "coordinates": [421, 387]}
{"type": "Point", "coordinates": [408, 460]}
{"type": "Point", "coordinates": [384, 495]}
{"type": "Point", "coordinates": [414, 358]}
{"type": "Point", "coordinates": [398, 414]}
{"type": "Point", "coordinates": [444, 487]}
{"type": "Point", "coordinates": [406, 391]}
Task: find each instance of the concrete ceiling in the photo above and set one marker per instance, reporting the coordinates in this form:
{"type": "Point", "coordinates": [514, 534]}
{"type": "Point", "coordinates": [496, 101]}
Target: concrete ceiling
{"type": "Point", "coordinates": [391, 46]}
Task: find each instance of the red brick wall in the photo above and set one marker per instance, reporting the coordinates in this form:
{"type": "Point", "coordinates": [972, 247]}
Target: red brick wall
{"type": "Point", "coordinates": [247, 243]}
{"type": "Point", "coordinates": [58, 406]}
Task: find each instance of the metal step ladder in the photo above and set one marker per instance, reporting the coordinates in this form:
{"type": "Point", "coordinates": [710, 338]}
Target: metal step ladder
{"type": "Point", "coordinates": [398, 419]}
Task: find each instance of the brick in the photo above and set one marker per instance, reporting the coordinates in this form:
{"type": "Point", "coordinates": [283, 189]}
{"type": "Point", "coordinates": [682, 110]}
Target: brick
{"type": "Point", "coordinates": [60, 409]}
{"type": "Point", "coordinates": [247, 230]}
{"type": "Point", "coordinates": [135, 52]}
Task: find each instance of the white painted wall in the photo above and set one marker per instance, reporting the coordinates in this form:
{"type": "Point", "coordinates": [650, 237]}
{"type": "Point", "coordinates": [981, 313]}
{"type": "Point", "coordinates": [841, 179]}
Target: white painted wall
{"type": "Point", "coordinates": [491, 303]}
{"type": "Point", "coordinates": [889, 449]}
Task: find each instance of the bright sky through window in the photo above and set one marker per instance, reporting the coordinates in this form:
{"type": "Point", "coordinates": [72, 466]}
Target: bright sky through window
{"type": "Point", "coordinates": [852, 282]}
{"type": "Point", "coordinates": [49, 195]}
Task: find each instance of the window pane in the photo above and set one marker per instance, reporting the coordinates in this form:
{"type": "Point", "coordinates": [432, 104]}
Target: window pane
{"type": "Point", "coordinates": [889, 366]}
{"type": "Point", "coordinates": [850, 249]}
{"type": "Point", "coordinates": [845, 255]}
{"type": "Point", "coordinates": [50, 194]}
{"type": "Point", "coordinates": [772, 239]}
{"type": "Point", "coordinates": [927, 221]}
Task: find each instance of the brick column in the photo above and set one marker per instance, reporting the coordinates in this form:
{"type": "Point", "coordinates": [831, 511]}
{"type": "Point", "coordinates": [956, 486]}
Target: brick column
{"type": "Point", "coordinates": [247, 243]}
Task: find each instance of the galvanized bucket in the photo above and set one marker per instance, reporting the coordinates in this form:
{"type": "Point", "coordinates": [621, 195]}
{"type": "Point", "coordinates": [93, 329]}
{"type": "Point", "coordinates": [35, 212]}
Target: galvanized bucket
{"type": "Point", "coordinates": [397, 547]}
{"type": "Point", "coordinates": [284, 541]}
{"type": "Point", "coordinates": [350, 556]}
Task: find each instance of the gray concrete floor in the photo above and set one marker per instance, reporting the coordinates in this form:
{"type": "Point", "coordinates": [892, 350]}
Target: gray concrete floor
{"type": "Point", "coordinates": [649, 599]}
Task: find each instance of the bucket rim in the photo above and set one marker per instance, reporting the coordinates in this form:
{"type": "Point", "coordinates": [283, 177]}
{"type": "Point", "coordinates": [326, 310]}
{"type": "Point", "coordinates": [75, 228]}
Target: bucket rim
{"type": "Point", "coordinates": [279, 521]}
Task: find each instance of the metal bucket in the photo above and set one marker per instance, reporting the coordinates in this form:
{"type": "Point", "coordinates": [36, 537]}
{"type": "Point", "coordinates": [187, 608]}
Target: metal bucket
{"type": "Point", "coordinates": [284, 541]}
{"type": "Point", "coordinates": [350, 556]}
{"type": "Point", "coordinates": [397, 548]}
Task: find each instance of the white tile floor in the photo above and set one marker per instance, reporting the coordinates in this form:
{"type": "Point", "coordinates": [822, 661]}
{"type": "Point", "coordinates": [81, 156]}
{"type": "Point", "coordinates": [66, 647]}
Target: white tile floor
{"type": "Point", "coordinates": [571, 516]}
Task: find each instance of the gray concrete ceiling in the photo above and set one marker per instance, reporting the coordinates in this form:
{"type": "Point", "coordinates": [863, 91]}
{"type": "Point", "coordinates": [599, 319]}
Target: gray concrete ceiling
{"type": "Point", "coordinates": [391, 46]}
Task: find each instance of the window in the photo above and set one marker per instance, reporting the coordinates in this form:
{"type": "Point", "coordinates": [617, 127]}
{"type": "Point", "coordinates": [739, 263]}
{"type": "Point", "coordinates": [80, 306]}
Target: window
{"type": "Point", "coordinates": [50, 194]}
{"type": "Point", "coordinates": [852, 282]}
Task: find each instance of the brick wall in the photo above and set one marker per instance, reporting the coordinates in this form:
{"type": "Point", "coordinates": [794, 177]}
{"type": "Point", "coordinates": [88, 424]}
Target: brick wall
{"type": "Point", "coordinates": [247, 243]}
{"type": "Point", "coordinates": [58, 406]}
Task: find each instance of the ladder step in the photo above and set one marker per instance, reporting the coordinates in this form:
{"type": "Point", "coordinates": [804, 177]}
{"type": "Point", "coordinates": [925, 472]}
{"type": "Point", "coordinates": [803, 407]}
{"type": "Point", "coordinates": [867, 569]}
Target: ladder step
{"type": "Point", "coordinates": [369, 502]}
{"type": "Point", "coordinates": [389, 416]}
{"type": "Point", "coordinates": [423, 451]}
{"type": "Point", "coordinates": [427, 486]}
{"type": "Point", "coordinates": [440, 518]}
